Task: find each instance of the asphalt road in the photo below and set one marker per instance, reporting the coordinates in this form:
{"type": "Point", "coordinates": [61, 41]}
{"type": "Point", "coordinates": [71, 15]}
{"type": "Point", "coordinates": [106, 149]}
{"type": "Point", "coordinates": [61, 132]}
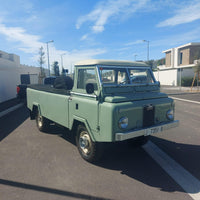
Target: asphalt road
{"type": "Point", "coordinates": [37, 165]}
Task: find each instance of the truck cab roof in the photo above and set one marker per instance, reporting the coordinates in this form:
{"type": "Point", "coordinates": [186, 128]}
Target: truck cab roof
{"type": "Point", "coordinates": [93, 62]}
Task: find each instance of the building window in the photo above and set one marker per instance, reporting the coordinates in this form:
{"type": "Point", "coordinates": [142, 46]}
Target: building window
{"type": "Point", "coordinates": [181, 58]}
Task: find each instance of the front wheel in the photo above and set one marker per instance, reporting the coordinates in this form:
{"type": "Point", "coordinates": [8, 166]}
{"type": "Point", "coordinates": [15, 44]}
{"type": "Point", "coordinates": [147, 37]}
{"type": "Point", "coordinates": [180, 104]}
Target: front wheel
{"type": "Point", "coordinates": [88, 149]}
{"type": "Point", "coordinates": [42, 122]}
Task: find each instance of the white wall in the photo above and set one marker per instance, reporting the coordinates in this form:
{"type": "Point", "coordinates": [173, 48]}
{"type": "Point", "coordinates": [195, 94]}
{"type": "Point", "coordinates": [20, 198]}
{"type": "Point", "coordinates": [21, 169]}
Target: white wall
{"type": "Point", "coordinates": [10, 78]}
{"type": "Point", "coordinates": [173, 76]}
{"type": "Point", "coordinates": [176, 57]}
{"type": "Point", "coordinates": [167, 77]}
{"type": "Point", "coordinates": [10, 71]}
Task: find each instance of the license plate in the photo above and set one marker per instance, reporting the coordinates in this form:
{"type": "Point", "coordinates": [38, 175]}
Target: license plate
{"type": "Point", "coordinates": [151, 131]}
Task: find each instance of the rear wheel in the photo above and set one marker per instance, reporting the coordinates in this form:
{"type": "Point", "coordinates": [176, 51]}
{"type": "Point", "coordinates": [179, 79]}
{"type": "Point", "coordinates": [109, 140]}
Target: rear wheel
{"type": "Point", "coordinates": [88, 149]}
{"type": "Point", "coordinates": [42, 122]}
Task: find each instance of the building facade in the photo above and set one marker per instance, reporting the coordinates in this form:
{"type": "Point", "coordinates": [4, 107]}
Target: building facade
{"type": "Point", "coordinates": [10, 72]}
{"type": "Point", "coordinates": [179, 64]}
{"type": "Point", "coordinates": [184, 55]}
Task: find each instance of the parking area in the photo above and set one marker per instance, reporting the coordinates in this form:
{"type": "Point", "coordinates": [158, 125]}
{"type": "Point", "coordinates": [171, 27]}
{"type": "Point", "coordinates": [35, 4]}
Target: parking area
{"type": "Point", "coordinates": [37, 165]}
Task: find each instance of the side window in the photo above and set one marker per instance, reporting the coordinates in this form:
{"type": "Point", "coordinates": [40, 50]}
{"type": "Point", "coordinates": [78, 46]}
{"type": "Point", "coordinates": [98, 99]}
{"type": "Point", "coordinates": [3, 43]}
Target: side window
{"type": "Point", "coordinates": [108, 75]}
{"type": "Point", "coordinates": [86, 76]}
{"type": "Point", "coordinates": [114, 76]}
{"type": "Point", "coordinates": [141, 76]}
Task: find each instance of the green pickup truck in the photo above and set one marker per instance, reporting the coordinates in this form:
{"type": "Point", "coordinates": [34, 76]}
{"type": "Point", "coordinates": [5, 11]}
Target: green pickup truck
{"type": "Point", "coordinates": [109, 101]}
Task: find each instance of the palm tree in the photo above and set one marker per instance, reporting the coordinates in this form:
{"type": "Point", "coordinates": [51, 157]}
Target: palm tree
{"type": "Point", "coordinates": [41, 62]}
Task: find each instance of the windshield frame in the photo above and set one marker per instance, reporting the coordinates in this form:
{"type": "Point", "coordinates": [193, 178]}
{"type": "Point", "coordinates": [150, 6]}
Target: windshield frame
{"type": "Point", "coordinates": [155, 82]}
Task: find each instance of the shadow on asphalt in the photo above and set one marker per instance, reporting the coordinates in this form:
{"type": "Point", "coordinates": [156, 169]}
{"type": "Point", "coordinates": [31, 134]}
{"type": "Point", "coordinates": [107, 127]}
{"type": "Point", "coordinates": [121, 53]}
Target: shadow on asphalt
{"type": "Point", "coordinates": [12, 120]}
{"type": "Point", "coordinates": [134, 162]}
{"type": "Point", "coordinates": [63, 132]}
{"type": "Point", "coordinates": [131, 161]}
{"type": "Point", "coordinates": [48, 190]}
{"type": "Point", "coordinates": [187, 155]}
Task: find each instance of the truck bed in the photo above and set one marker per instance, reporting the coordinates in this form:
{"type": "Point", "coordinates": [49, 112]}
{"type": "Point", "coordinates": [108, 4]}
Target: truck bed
{"type": "Point", "coordinates": [52, 103]}
{"type": "Point", "coordinates": [49, 88]}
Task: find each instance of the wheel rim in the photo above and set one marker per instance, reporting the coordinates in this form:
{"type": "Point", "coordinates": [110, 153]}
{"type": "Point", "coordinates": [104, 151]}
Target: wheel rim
{"type": "Point", "coordinates": [85, 143]}
{"type": "Point", "coordinates": [39, 120]}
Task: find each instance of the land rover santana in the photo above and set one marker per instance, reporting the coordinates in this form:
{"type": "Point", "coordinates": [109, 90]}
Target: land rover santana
{"type": "Point", "coordinates": [110, 101]}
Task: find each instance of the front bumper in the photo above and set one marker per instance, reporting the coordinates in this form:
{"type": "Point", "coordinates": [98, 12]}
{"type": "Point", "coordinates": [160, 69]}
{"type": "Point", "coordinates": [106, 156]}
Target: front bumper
{"type": "Point", "coordinates": [145, 132]}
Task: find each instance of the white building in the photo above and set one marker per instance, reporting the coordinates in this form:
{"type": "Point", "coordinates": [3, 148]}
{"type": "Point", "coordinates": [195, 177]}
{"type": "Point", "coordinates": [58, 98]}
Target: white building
{"type": "Point", "coordinates": [10, 72]}
{"type": "Point", "coordinates": [179, 63]}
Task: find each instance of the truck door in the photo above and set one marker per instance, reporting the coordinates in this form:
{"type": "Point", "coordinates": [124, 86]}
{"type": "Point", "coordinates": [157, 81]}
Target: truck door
{"type": "Point", "coordinates": [81, 104]}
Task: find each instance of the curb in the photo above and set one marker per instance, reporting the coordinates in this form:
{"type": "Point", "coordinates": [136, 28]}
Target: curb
{"type": "Point", "coordinates": [185, 100]}
{"type": "Point", "coordinates": [5, 112]}
{"type": "Point", "coordinates": [183, 93]}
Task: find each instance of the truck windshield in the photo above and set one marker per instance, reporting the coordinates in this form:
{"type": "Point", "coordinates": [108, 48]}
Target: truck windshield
{"type": "Point", "coordinates": [120, 76]}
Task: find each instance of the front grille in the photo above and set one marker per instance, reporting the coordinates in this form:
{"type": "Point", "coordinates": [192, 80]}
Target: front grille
{"type": "Point", "coordinates": [148, 115]}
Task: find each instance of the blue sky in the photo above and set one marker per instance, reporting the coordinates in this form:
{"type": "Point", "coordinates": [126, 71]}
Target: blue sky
{"type": "Point", "coordinates": [100, 29]}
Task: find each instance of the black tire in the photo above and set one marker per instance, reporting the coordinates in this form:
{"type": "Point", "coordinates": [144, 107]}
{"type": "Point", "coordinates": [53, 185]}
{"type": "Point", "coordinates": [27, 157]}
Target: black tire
{"type": "Point", "coordinates": [89, 150]}
{"type": "Point", "coordinates": [139, 141]}
{"type": "Point", "coordinates": [63, 82]}
{"type": "Point", "coordinates": [42, 122]}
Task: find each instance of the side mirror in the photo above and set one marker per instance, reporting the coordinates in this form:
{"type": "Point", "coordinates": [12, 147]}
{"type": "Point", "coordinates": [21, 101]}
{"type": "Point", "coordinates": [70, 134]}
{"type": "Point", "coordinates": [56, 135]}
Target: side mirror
{"type": "Point", "coordinates": [90, 88]}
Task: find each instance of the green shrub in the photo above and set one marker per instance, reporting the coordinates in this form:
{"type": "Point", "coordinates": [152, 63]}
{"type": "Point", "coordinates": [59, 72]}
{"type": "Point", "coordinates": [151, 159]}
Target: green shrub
{"type": "Point", "coordinates": [187, 81]}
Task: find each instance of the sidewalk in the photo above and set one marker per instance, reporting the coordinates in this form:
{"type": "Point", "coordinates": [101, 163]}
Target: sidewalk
{"type": "Point", "coordinates": [179, 90]}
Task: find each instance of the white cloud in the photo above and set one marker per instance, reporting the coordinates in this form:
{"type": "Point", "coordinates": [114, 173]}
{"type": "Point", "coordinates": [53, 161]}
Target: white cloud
{"type": "Point", "coordinates": [98, 29]}
{"type": "Point", "coordinates": [28, 43]}
{"type": "Point", "coordinates": [70, 58]}
{"type": "Point", "coordinates": [186, 14]}
{"type": "Point", "coordinates": [108, 9]}
{"type": "Point", "coordinates": [84, 37]}
{"type": "Point", "coordinates": [134, 42]}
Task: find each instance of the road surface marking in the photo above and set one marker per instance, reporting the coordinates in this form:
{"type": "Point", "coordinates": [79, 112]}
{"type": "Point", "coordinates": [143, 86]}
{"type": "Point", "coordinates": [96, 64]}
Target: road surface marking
{"type": "Point", "coordinates": [197, 102]}
{"type": "Point", "coordinates": [5, 112]}
{"type": "Point", "coordinates": [187, 181]}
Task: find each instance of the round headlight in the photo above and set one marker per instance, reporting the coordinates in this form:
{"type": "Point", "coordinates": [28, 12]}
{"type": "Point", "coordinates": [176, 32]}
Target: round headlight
{"type": "Point", "coordinates": [123, 122]}
{"type": "Point", "coordinates": [170, 114]}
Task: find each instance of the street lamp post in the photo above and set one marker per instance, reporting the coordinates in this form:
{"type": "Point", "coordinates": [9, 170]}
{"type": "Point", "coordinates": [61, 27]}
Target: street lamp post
{"type": "Point", "coordinates": [48, 54]}
{"type": "Point", "coordinates": [147, 49]}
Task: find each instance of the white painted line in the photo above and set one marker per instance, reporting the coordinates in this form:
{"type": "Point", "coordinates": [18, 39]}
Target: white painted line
{"type": "Point", "coordinates": [188, 182]}
{"type": "Point", "coordinates": [5, 112]}
{"type": "Point", "coordinates": [197, 102]}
